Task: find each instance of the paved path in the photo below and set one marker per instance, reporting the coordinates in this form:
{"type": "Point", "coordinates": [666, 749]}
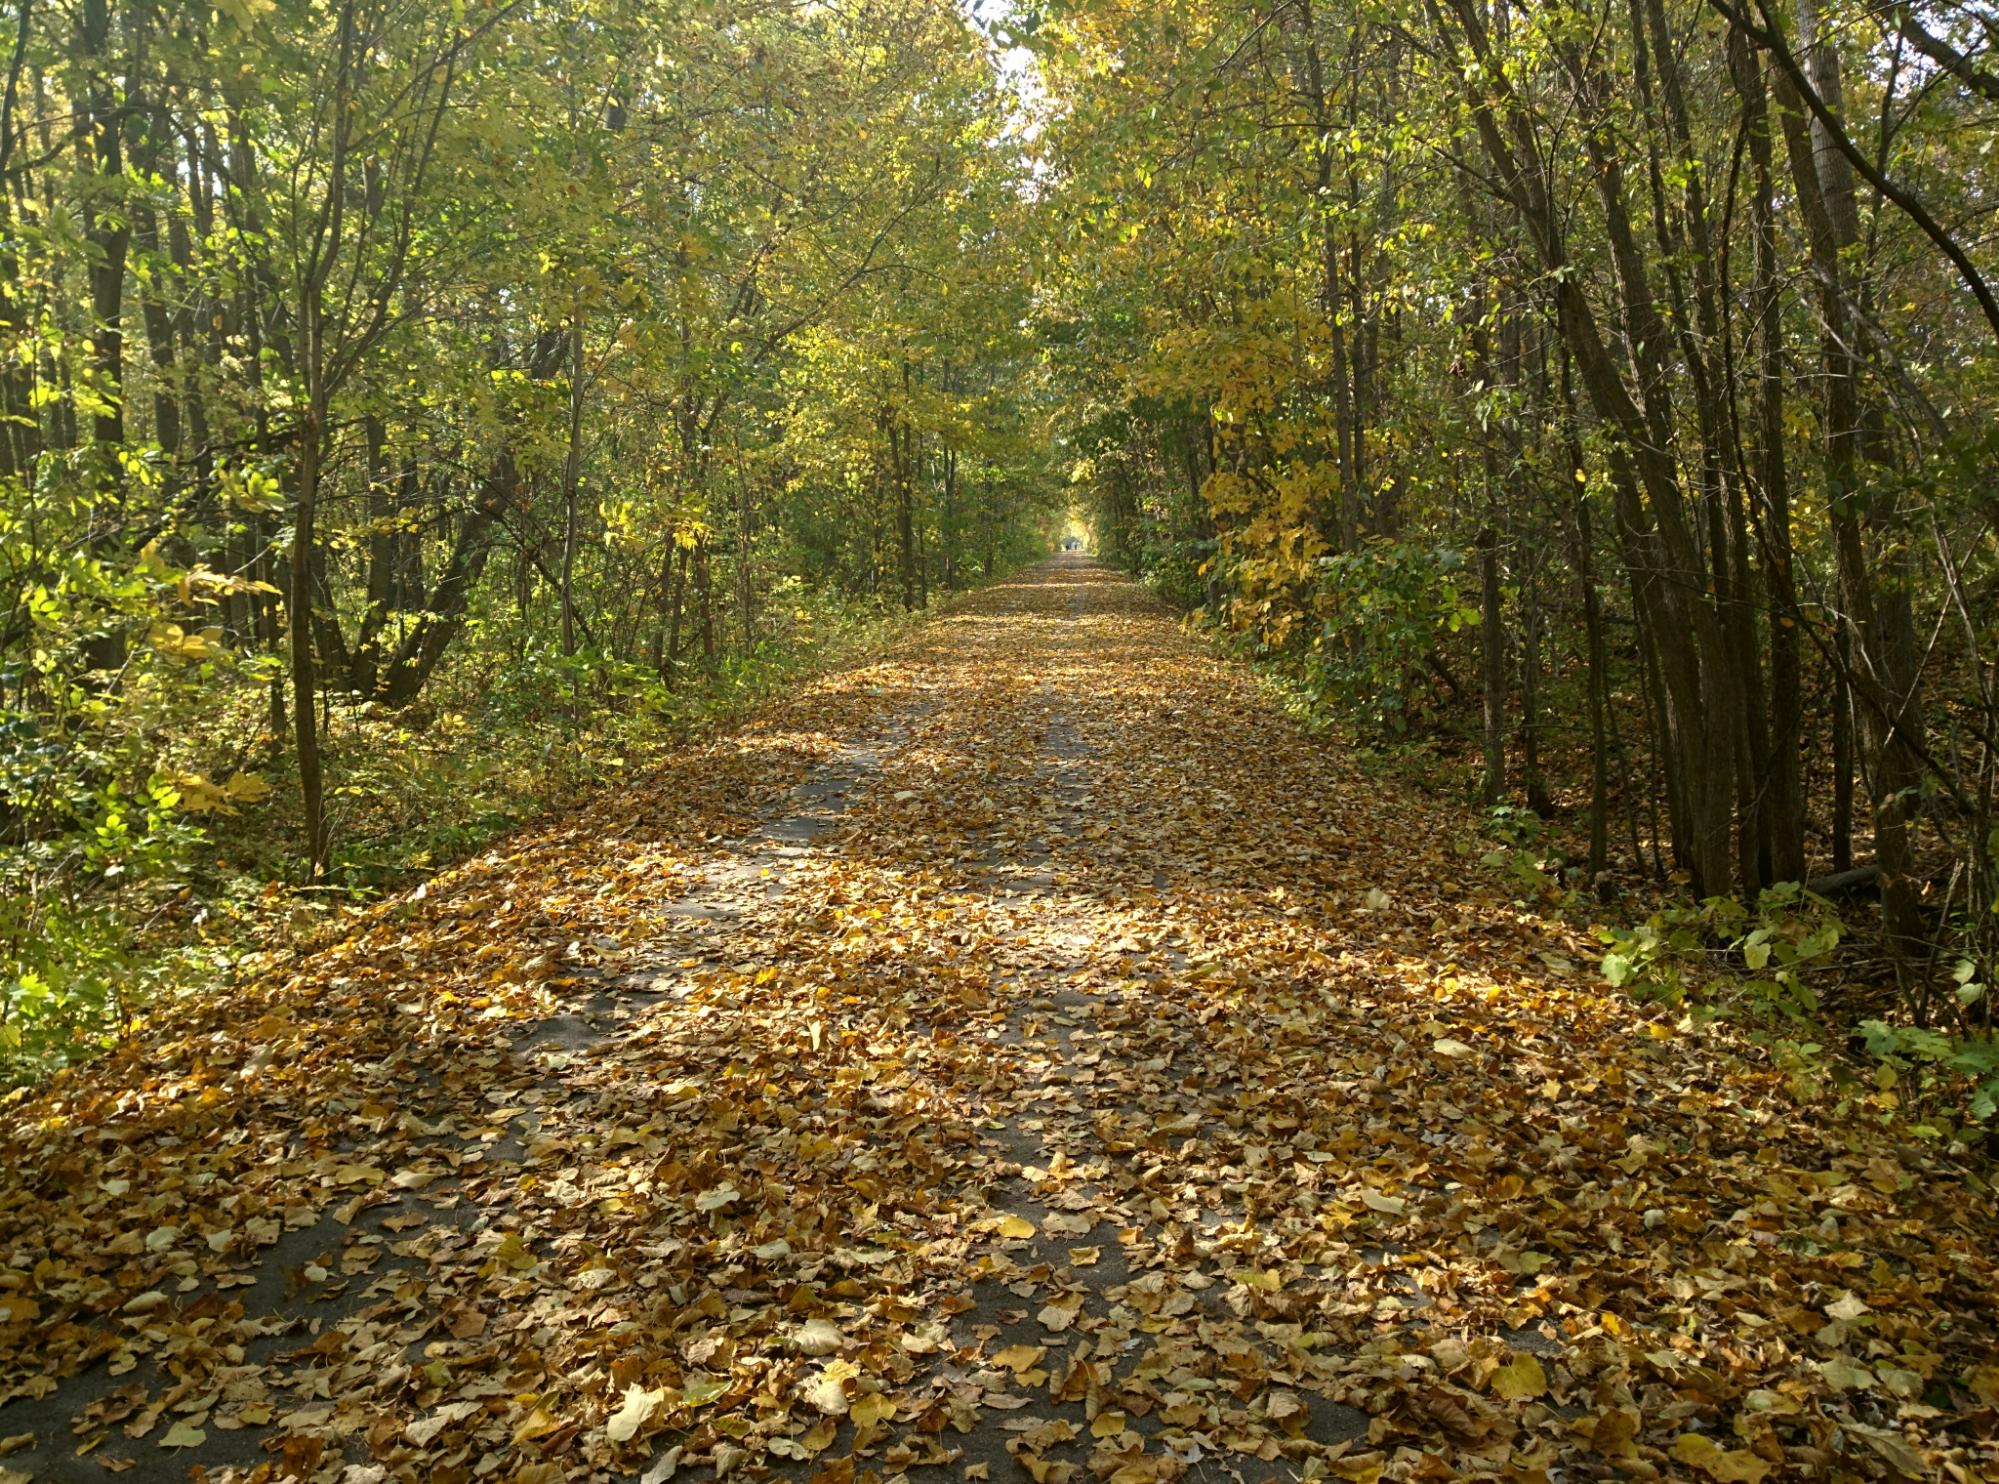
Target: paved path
{"type": "Point", "coordinates": [1026, 1056]}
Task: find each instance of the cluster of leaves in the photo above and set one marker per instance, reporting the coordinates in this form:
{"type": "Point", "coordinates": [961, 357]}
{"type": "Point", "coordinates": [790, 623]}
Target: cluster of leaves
{"type": "Point", "coordinates": [1771, 965]}
{"type": "Point", "coordinates": [1386, 607]}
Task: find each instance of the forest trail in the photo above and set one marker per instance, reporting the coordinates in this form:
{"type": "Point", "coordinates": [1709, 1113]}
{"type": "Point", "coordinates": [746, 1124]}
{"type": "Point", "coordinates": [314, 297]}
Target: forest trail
{"type": "Point", "coordinates": [1022, 1056]}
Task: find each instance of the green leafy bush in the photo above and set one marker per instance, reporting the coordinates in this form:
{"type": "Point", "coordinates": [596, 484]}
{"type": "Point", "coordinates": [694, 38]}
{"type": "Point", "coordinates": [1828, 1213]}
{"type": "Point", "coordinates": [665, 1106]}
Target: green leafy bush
{"type": "Point", "coordinates": [1768, 964]}
{"type": "Point", "coordinates": [1384, 605]}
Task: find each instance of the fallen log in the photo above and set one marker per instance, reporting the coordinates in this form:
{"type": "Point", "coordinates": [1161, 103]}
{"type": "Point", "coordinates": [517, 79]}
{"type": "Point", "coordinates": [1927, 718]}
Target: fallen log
{"type": "Point", "coordinates": [1846, 883]}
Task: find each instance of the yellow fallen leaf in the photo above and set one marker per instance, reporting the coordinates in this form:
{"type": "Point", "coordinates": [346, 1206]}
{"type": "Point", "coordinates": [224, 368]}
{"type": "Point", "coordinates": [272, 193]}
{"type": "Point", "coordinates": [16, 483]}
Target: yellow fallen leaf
{"type": "Point", "coordinates": [817, 1337]}
{"type": "Point", "coordinates": [1060, 1315]}
{"type": "Point", "coordinates": [1731, 1466]}
{"type": "Point", "coordinates": [1107, 1425]}
{"type": "Point", "coordinates": [819, 1436]}
{"type": "Point", "coordinates": [1015, 1228]}
{"type": "Point", "coordinates": [872, 1408]}
{"type": "Point", "coordinates": [537, 1424]}
{"type": "Point", "coordinates": [829, 1392]}
{"type": "Point", "coordinates": [1520, 1378]}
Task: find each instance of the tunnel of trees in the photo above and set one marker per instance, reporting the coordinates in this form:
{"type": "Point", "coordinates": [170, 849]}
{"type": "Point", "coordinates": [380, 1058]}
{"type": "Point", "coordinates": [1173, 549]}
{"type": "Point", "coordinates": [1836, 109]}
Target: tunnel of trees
{"type": "Point", "coordinates": [1601, 387]}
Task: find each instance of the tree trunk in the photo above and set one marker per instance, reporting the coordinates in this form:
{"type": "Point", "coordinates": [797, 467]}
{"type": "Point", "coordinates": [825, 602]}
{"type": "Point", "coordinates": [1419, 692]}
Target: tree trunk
{"type": "Point", "coordinates": [1883, 681]}
{"type": "Point", "coordinates": [1783, 811]}
{"type": "Point", "coordinates": [1596, 657]}
{"type": "Point", "coordinates": [572, 472]}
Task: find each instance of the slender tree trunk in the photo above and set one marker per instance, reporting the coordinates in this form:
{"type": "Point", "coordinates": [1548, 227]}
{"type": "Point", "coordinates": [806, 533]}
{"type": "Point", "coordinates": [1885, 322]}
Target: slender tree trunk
{"type": "Point", "coordinates": [1492, 665]}
{"type": "Point", "coordinates": [1492, 618]}
{"type": "Point", "coordinates": [312, 448]}
{"type": "Point", "coordinates": [572, 473]}
{"type": "Point", "coordinates": [1597, 659]}
{"type": "Point", "coordinates": [1885, 684]}
{"type": "Point", "coordinates": [704, 597]}
{"type": "Point", "coordinates": [19, 423]}
{"type": "Point", "coordinates": [667, 658]}
{"type": "Point", "coordinates": [107, 228]}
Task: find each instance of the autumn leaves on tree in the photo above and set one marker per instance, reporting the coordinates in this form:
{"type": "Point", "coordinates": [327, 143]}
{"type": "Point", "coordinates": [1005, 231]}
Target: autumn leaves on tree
{"type": "Point", "coordinates": [584, 895]}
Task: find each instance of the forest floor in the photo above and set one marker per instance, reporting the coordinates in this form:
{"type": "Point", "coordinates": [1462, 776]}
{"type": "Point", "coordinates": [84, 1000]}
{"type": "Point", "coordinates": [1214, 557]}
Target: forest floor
{"type": "Point", "coordinates": [1023, 1056]}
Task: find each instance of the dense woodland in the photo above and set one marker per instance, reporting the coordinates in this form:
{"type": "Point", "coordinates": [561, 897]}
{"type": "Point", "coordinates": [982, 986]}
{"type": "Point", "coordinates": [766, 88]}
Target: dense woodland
{"type": "Point", "coordinates": [585, 898]}
{"type": "Point", "coordinates": [397, 397]}
{"type": "Point", "coordinates": [1608, 384]}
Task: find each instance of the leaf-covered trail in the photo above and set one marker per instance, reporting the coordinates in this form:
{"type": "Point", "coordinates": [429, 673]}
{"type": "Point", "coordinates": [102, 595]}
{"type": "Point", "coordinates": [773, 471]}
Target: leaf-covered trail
{"type": "Point", "coordinates": [1022, 1057]}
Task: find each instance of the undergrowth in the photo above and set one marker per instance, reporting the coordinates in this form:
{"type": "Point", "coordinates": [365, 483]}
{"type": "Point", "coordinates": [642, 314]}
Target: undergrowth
{"type": "Point", "coordinates": [1791, 970]}
{"type": "Point", "coordinates": [137, 887]}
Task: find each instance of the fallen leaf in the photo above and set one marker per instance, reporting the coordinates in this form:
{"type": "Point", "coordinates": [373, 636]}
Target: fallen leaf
{"type": "Point", "coordinates": [1737, 1466]}
{"type": "Point", "coordinates": [817, 1337]}
{"type": "Point", "coordinates": [633, 1413]}
{"type": "Point", "coordinates": [183, 1435]}
{"type": "Point", "coordinates": [1520, 1378]}
{"type": "Point", "coordinates": [663, 1468]}
{"type": "Point", "coordinates": [1020, 1357]}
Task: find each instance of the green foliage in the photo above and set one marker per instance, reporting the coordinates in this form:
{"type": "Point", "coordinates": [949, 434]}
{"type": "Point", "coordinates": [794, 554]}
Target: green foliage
{"type": "Point", "coordinates": [1943, 1062]}
{"type": "Point", "coordinates": [1728, 958]}
{"type": "Point", "coordinates": [591, 407]}
{"type": "Point", "coordinates": [1767, 966]}
{"type": "Point", "coordinates": [1176, 570]}
{"type": "Point", "coordinates": [1512, 825]}
{"type": "Point", "coordinates": [1386, 605]}
{"type": "Point", "coordinates": [1936, 1061]}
